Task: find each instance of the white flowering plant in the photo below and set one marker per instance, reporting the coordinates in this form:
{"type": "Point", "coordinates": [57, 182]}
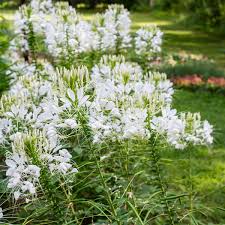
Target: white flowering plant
{"type": "Point", "coordinates": [82, 138]}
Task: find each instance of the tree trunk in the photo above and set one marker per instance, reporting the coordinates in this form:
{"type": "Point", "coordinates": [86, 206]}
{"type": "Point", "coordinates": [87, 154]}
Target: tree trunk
{"type": "Point", "coordinates": [92, 4]}
{"type": "Point", "coordinates": [73, 3]}
{"type": "Point", "coordinates": [151, 3]}
{"type": "Point", "coordinates": [21, 2]}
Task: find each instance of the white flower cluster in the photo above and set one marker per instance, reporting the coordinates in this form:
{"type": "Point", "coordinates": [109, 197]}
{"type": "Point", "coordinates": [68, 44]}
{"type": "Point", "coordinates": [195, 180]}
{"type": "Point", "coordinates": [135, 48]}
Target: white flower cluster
{"type": "Point", "coordinates": [148, 40]}
{"type": "Point", "coordinates": [66, 35]}
{"type": "Point", "coordinates": [23, 177]}
{"type": "Point", "coordinates": [129, 105]}
{"type": "Point", "coordinates": [59, 162]}
{"type": "Point", "coordinates": [42, 7]}
{"type": "Point", "coordinates": [21, 24]}
{"type": "Point", "coordinates": [113, 28]}
{"type": "Point", "coordinates": [184, 129]}
{"type": "Point", "coordinates": [29, 20]}
{"type": "Point", "coordinates": [25, 165]}
{"type": "Point", "coordinates": [33, 104]}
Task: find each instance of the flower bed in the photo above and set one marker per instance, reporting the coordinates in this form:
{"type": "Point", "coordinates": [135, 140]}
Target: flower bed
{"type": "Point", "coordinates": [83, 127]}
{"type": "Point", "coordinates": [196, 81]}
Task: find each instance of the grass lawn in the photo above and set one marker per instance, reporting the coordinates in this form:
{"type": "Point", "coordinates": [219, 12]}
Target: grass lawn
{"type": "Point", "coordinates": [208, 164]}
{"type": "Point", "coordinates": [178, 37]}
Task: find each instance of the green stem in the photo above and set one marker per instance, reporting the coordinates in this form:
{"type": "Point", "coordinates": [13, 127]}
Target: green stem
{"type": "Point", "coordinates": [107, 193]}
{"type": "Point", "coordinates": [190, 185]}
{"type": "Point", "coordinates": [155, 159]}
{"type": "Point", "coordinates": [87, 129]}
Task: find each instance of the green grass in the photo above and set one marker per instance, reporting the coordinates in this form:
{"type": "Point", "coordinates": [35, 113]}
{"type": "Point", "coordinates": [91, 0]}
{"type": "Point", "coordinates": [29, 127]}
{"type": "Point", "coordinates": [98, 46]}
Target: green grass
{"type": "Point", "coordinates": [208, 165]}
{"type": "Point", "coordinates": [4, 41]}
{"type": "Point", "coordinates": [179, 37]}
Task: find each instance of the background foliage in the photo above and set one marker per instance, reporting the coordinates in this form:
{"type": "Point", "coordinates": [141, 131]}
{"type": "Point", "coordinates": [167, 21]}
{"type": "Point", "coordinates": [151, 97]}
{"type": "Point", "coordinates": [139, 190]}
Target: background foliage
{"type": "Point", "coordinates": [207, 12]}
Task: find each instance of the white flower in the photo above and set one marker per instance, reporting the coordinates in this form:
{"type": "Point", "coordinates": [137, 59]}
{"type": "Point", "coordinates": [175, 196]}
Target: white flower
{"type": "Point", "coordinates": [18, 111]}
{"type": "Point", "coordinates": [79, 98]}
{"type": "Point", "coordinates": [23, 177]}
{"type": "Point", "coordinates": [148, 40]}
{"type": "Point", "coordinates": [134, 124]}
{"type": "Point", "coordinates": [71, 123]}
{"type": "Point", "coordinates": [71, 94]}
{"type": "Point", "coordinates": [59, 162]}
{"type": "Point", "coordinates": [207, 132]}
{"type": "Point", "coordinates": [5, 128]}
{"type": "Point", "coordinates": [113, 28]}
{"type": "Point", "coordinates": [17, 195]}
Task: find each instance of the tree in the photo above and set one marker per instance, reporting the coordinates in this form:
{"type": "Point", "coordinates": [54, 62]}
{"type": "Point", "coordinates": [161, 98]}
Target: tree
{"type": "Point", "coordinates": [21, 2]}
{"type": "Point", "coordinates": [73, 2]}
{"type": "Point", "coordinates": [151, 3]}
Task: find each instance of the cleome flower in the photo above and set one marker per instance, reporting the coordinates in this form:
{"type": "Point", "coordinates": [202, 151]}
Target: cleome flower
{"type": "Point", "coordinates": [26, 164]}
{"type": "Point", "coordinates": [148, 40]}
{"type": "Point", "coordinates": [23, 176]}
{"type": "Point", "coordinates": [112, 29]}
{"type": "Point", "coordinates": [66, 35]}
{"type": "Point", "coordinates": [125, 99]}
{"type": "Point", "coordinates": [181, 131]}
{"type": "Point", "coordinates": [59, 162]}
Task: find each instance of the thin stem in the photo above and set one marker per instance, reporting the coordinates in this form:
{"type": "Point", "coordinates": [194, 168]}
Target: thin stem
{"type": "Point", "coordinates": [155, 159]}
{"type": "Point", "coordinates": [107, 193]}
{"type": "Point", "coordinates": [190, 185]}
{"type": "Point", "coordinates": [86, 128]}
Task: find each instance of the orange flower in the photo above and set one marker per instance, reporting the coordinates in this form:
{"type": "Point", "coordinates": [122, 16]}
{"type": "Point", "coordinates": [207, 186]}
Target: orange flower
{"type": "Point", "coordinates": [188, 80]}
{"type": "Point", "coordinates": [216, 81]}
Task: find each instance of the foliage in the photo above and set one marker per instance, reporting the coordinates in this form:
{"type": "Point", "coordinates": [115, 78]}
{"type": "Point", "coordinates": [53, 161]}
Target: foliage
{"type": "Point", "coordinates": [88, 3]}
{"type": "Point", "coordinates": [4, 40]}
{"type": "Point", "coordinates": [203, 68]}
{"type": "Point", "coordinates": [211, 13]}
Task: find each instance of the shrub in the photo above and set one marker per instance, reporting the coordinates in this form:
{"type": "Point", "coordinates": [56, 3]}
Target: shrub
{"type": "Point", "coordinates": [203, 68]}
{"type": "Point", "coordinates": [207, 12]}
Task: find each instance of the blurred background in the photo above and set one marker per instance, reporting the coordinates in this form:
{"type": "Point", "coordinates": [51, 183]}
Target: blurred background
{"type": "Point", "coordinates": [210, 13]}
{"type": "Point", "coordinates": [193, 26]}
